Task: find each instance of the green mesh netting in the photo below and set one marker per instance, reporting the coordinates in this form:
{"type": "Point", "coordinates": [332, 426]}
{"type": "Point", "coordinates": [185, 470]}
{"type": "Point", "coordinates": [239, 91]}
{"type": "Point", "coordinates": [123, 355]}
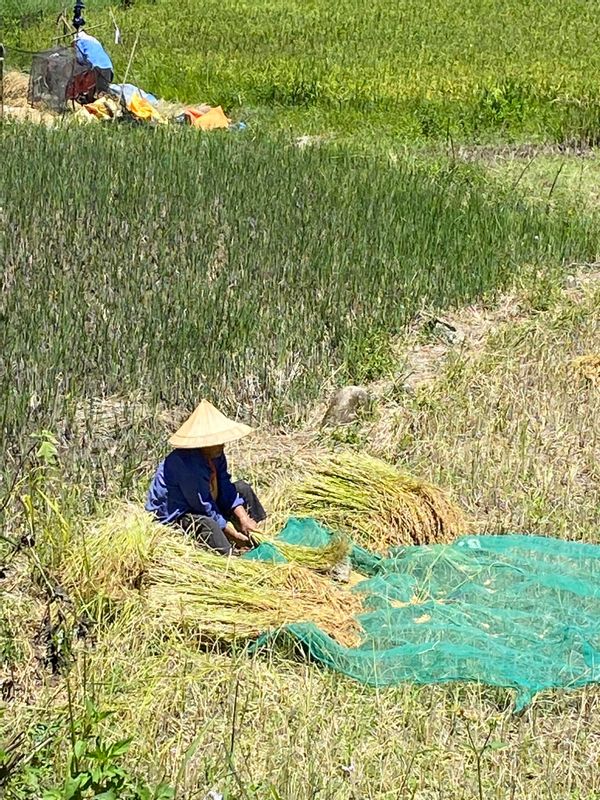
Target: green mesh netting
{"type": "Point", "coordinates": [512, 611]}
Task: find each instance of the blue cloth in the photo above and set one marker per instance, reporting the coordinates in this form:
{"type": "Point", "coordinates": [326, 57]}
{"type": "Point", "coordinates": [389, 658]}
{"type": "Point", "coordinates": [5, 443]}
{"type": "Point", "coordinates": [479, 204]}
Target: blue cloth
{"type": "Point", "coordinates": [181, 486]}
{"type": "Point", "coordinates": [127, 91]}
{"type": "Point", "coordinates": [91, 53]}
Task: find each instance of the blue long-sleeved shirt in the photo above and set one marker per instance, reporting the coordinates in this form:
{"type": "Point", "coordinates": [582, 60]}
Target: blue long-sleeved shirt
{"type": "Point", "coordinates": [181, 485]}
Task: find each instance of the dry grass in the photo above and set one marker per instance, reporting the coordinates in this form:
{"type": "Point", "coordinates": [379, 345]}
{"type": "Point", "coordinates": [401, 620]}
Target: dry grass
{"type": "Point", "coordinates": [298, 731]}
{"type": "Point", "coordinates": [509, 430]}
{"type": "Point", "coordinates": [588, 367]}
{"type": "Point", "coordinates": [16, 89]}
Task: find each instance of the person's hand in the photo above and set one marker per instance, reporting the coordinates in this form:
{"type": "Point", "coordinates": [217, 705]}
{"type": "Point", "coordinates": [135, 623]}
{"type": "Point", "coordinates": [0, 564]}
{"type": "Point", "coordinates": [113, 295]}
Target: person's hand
{"type": "Point", "coordinates": [235, 537]}
{"type": "Point", "coordinates": [245, 521]}
{"type": "Point", "coordinates": [248, 525]}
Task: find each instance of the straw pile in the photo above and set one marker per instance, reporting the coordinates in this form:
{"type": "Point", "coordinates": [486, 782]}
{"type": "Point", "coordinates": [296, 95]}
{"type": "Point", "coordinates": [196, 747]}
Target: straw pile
{"type": "Point", "coordinates": [110, 559]}
{"type": "Point", "coordinates": [374, 503]}
{"type": "Point", "coordinates": [16, 89]}
{"type": "Point", "coordinates": [221, 598]}
{"type": "Point", "coordinates": [126, 558]}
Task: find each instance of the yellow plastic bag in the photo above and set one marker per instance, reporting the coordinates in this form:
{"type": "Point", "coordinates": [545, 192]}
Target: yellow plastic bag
{"type": "Point", "coordinates": [103, 108]}
{"type": "Point", "coordinates": [143, 110]}
{"type": "Point", "coordinates": [212, 120]}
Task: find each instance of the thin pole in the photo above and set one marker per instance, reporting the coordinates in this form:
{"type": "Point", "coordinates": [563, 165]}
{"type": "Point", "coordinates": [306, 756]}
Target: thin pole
{"type": "Point", "coordinates": [87, 27]}
{"type": "Point", "coordinates": [129, 63]}
{"type": "Point", "coordinates": [1, 81]}
{"type": "Point", "coordinates": [133, 49]}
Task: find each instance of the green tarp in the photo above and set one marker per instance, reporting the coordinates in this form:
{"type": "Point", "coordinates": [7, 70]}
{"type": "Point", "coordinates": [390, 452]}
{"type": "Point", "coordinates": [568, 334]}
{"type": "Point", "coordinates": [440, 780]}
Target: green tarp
{"type": "Point", "coordinates": [512, 611]}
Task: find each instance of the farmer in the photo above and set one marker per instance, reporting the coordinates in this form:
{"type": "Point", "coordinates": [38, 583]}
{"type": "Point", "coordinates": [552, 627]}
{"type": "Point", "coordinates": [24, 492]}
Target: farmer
{"type": "Point", "coordinates": [192, 487]}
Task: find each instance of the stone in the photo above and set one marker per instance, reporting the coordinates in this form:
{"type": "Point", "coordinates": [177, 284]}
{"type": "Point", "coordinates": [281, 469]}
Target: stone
{"type": "Point", "coordinates": [571, 282]}
{"type": "Point", "coordinates": [450, 333]}
{"type": "Point", "coordinates": [345, 405]}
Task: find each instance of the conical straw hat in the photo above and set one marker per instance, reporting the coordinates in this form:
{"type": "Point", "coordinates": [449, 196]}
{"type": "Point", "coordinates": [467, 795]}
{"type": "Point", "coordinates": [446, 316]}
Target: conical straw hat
{"type": "Point", "coordinates": [207, 427]}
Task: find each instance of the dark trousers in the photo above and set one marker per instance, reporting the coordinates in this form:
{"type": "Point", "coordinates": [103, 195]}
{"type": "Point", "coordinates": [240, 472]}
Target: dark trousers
{"type": "Point", "coordinates": [208, 532]}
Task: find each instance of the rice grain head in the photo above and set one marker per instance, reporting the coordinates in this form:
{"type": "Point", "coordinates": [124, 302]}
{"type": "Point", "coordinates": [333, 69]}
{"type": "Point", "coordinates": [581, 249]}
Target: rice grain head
{"type": "Point", "coordinates": [374, 503]}
{"type": "Point", "coordinates": [228, 598]}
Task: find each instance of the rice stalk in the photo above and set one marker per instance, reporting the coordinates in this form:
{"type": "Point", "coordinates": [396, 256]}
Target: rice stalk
{"type": "Point", "coordinates": [318, 559]}
{"type": "Point", "coordinates": [374, 503]}
{"type": "Point", "coordinates": [232, 598]}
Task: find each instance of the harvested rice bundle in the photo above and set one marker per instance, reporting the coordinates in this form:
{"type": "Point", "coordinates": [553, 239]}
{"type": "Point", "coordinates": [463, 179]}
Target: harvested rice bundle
{"type": "Point", "coordinates": [374, 503]}
{"type": "Point", "coordinates": [319, 559]}
{"type": "Point", "coordinates": [226, 598]}
{"type": "Point", "coordinates": [111, 556]}
{"type": "Point", "coordinates": [125, 564]}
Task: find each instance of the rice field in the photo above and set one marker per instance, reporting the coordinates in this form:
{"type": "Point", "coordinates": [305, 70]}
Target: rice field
{"type": "Point", "coordinates": [514, 430]}
{"type": "Point", "coordinates": [144, 268]}
{"type": "Point", "coordinates": [166, 266]}
{"type": "Point", "coordinates": [452, 71]}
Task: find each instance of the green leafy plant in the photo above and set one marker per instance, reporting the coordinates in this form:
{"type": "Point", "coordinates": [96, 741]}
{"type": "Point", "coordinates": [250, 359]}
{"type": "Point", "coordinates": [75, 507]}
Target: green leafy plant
{"type": "Point", "coordinates": [94, 766]}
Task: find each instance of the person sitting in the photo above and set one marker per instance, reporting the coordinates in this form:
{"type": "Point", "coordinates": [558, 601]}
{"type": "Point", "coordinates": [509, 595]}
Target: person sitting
{"type": "Point", "coordinates": [192, 487]}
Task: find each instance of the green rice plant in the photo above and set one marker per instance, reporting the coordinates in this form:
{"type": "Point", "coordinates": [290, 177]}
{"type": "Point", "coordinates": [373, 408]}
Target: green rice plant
{"type": "Point", "coordinates": [145, 269]}
{"type": "Point", "coordinates": [374, 503]}
{"type": "Point", "coordinates": [463, 70]}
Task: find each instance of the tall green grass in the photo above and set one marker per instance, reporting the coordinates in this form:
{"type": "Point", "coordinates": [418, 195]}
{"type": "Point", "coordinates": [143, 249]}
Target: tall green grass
{"type": "Point", "coordinates": [170, 265]}
{"type": "Point", "coordinates": [466, 69]}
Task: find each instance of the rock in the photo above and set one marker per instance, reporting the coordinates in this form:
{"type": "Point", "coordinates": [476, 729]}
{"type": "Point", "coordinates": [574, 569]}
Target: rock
{"type": "Point", "coordinates": [444, 330]}
{"type": "Point", "coordinates": [345, 405]}
{"type": "Point", "coordinates": [571, 282]}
